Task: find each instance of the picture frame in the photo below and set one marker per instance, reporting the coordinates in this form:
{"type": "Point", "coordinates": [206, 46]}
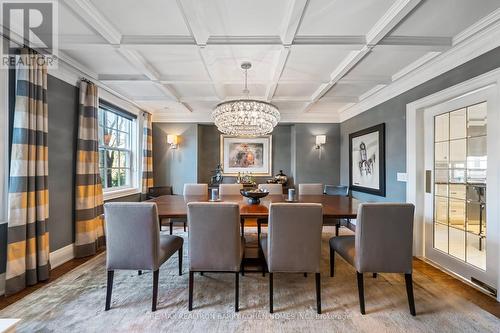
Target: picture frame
{"type": "Point", "coordinates": [245, 155]}
{"type": "Point", "coordinates": [367, 160]}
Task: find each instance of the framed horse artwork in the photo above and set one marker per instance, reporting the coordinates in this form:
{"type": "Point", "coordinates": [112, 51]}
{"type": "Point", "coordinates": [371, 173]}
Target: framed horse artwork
{"type": "Point", "coordinates": [367, 160]}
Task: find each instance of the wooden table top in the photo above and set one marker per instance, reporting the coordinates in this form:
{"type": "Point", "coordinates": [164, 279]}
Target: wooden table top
{"type": "Point", "coordinates": [175, 206]}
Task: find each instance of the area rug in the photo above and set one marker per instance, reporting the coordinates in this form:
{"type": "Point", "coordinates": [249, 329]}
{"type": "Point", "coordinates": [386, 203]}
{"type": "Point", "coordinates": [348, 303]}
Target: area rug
{"type": "Point", "coordinates": [75, 303]}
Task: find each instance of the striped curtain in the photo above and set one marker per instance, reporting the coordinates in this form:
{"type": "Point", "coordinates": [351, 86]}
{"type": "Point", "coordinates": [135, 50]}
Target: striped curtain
{"type": "Point", "coordinates": [147, 153]}
{"type": "Point", "coordinates": [89, 222]}
{"type": "Point", "coordinates": [27, 234]}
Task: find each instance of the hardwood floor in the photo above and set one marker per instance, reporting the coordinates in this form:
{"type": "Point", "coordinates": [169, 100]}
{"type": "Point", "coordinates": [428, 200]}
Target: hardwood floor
{"type": "Point", "coordinates": [435, 276]}
{"type": "Point", "coordinates": [54, 275]}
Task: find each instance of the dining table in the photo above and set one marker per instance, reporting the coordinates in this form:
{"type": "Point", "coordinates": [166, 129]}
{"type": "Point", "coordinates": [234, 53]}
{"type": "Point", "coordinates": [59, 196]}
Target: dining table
{"type": "Point", "coordinates": [337, 207]}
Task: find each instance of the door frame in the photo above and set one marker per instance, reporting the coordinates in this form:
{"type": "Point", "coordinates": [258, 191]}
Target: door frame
{"type": "Point", "coordinates": [415, 153]}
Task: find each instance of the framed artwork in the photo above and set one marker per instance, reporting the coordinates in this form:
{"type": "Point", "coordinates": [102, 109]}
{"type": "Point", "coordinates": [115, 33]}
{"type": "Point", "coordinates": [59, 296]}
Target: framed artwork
{"type": "Point", "coordinates": [367, 160]}
{"type": "Point", "coordinates": [242, 154]}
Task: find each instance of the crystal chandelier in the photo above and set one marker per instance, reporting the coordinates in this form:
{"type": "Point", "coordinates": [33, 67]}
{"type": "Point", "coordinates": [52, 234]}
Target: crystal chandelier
{"type": "Point", "coordinates": [245, 117]}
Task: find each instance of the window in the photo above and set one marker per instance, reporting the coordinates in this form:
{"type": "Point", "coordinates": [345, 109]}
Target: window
{"type": "Point", "coordinates": [115, 147]}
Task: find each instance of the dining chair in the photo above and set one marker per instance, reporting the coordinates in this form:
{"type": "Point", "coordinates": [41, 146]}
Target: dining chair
{"type": "Point", "coordinates": [230, 189]}
{"type": "Point", "coordinates": [310, 189]}
{"type": "Point", "coordinates": [133, 242]}
{"type": "Point", "coordinates": [157, 191]}
{"type": "Point", "coordinates": [195, 189]}
{"type": "Point", "coordinates": [215, 244]}
{"type": "Point", "coordinates": [293, 243]}
{"type": "Point", "coordinates": [335, 190]}
{"type": "Point", "coordinates": [340, 190]}
{"type": "Point", "coordinates": [382, 244]}
{"type": "Point", "coordinates": [273, 189]}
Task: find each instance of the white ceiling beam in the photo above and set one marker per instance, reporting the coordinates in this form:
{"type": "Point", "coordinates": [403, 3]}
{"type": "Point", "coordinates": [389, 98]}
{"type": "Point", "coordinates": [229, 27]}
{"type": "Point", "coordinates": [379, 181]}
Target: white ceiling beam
{"type": "Point", "coordinates": [95, 20]}
{"type": "Point", "coordinates": [243, 40]}
{"type": "Point", "coordinates": [329, 40]}
{"type": "Point", "coordinates": [374, 79]}
{"type": "Point", "coordinates": [278, 70]}
{"type": "Point", "coordinates": [396, 13]}
{"type": "Point", "coordinates": [218, 87]}
{"type": "Point", "coordinates": [292, 20]}
{"type": "Point", "coordinates": [190, 11]}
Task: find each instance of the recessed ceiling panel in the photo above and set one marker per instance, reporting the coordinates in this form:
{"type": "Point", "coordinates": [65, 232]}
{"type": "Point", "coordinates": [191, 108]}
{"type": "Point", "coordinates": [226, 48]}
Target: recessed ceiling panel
{"type": "Point", "coordinates": [194, 90]}
{"type": "Point", "coordinates": [444, 18]}
{"type": "Point", "coordinates": [313, 62]}
{"type": "Point", "coordinates": [224, 61]}
{"type": "Point", "coordinates": [350, 89]}
{"type": "Point", "coordinates": [385, 60]}
{"type": "Point", "coordinates": [236, 90]}
{"type": "Point", "coordinates": [286, 107]}
{"type": "Point", "coordinates": [243, 17]}
{"type": "Point", "coordinates": [101, 59]}
{"type": "Point", "coordinates": [294, 90]}
{"type": "Point", "coordinates": [329, 107]}
{"type": "Point", "coordinates": [175, 62]}
{"type": "Point", "coordinates": [140, 90]}
{"type": "Point", "coordinates": [71, 24]}
{"type": "Point", "coordinates": [150, 17]}
{"type": "Point", "coordinates": [342, 17]}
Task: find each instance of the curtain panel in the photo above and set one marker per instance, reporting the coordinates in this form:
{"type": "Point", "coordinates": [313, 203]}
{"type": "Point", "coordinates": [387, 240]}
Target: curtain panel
{"type": "Point", "coordinates": [89, 220]}
{"type": "Point", "coordinates": [147, 153]}
{"type": "Point", "coordinates": [27, 233]}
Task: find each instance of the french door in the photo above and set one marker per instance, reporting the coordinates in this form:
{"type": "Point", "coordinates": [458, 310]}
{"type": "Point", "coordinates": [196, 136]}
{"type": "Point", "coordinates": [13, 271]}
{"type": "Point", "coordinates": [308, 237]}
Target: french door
{"type": "Point", "coordinates": [461, 187]}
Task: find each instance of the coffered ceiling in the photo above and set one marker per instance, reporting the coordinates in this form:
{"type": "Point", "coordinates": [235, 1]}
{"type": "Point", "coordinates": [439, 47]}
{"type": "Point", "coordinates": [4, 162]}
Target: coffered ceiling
{"type": "Point", "coordinates": [313, 58]}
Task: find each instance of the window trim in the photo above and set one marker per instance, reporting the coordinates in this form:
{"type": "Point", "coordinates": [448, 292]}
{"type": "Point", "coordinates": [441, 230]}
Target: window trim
{"type": "Point", "coordinates": [133, 188]}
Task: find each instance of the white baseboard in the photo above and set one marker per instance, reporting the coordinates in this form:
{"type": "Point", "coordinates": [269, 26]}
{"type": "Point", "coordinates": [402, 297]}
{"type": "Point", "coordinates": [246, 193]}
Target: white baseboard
{"type": "Point", "coordinates": [62, 255]}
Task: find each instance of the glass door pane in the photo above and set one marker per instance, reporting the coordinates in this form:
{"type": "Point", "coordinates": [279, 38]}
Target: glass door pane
{"type": "Point", "coordinates": [460, 164]}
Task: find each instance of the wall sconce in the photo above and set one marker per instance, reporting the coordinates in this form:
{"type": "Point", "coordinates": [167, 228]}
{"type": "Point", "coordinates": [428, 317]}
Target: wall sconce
{"type": "Point", "coordinates": [320, 140]}
{"type": "Point", "coordinates": [172, 141]}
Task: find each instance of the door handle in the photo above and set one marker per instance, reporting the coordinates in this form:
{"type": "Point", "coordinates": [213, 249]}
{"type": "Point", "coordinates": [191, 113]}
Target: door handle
{"type": "Point", "coordinates": [428, 181]}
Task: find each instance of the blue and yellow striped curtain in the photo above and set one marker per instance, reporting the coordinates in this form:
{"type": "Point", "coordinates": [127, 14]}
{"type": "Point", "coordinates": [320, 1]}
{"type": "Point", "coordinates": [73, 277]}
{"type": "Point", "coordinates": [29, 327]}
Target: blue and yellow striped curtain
{"type": "Point", "coordinates": [27, 235]}
{"type": "Point", "coordinates": [89, 223]}
{"type": "Point", "coordinates": [147, 154]}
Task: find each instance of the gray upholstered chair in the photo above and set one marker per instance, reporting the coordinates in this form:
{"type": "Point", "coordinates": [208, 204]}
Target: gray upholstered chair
{"type": "Point", "coordinates": [230, 189]}
{"type": "Point", "coordinates": [340, 190]}
{"type": "Point", "coordinates": [336, 190]}
{"type": "Point", "coordinates": [310, 189]}
{"type": "Point", "coordinates": [134, 242]}
{"type": "Point", "coordinates": [382, 244]}
{"type": "Point", "coordinates": [293, 243]}
{"type": "Point", "coordinates": [215, 244]}
{"type": "Point", "coordinates": [195, 189]}
{"type": "Point", "coordinates": [273, 189]}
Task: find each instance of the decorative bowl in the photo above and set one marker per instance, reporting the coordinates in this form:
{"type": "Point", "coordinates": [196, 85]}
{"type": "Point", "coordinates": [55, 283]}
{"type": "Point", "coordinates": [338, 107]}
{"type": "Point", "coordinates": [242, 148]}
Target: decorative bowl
{"type": "Point", "coordinates": [254, 195]}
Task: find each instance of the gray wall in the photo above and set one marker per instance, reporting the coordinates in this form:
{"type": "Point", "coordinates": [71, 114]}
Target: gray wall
{"type": "Point", "coordinates": [308, 165]}
{"type": "Point", "coordinates": [175, 167]}
{"type": "Point", "coordinates": [393, 114]}
{"type": "Point", "coordinates": [62, 99]}
{"type": "Point", "coordinates": [293, 152]}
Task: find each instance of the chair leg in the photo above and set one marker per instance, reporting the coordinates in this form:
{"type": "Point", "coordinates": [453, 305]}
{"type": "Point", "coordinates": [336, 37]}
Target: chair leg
{"type": "Point", "coordinates": [409, 292]}
{"type": "Point", "coordinates": [184, 226]}
{"type": "Point", "coordinates": [236, 292]}
{"type": "Point", "coordinates": [139, 272]}
{"type": "Point", "coordinates": [242, 266]}
{"type": "Point", "coordinates": [337, 227]}
{"type": "Point", "coordinates": [332, 262]}
{"type": "Point", "coordinates": [156, 274]}
{"type": "Point", "coordinates": [180, 261]}
{"type": "Point", "coordinates": [374, 275]}
{"type": "Point", "coordinates": [109, 289]}
{"type": "Point", "coordinates": [305, 275]}
{"type": "Point", "coordinates": [270, 292]}
{"type": "Point", "coordinates": [190, 297]}
{"type": "Point", "coordinates": [361, 291]}
{"type": "Point", "coordinates": [318, 293]}
{"type": "Point", "coordinates": [242, 222]}
{"type": "Point", "coordinates": [201, 273]}
{"type": "Point", "coordinates": [171, 227]}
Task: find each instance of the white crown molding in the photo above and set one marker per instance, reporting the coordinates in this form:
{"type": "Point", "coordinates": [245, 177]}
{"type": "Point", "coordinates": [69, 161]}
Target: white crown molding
{"type": "Point", "coordinates": [472, 30]}
{"type": "Point", "coordinates": [484, 40]}
{"type": "Point", "coordinates": [414, 65]}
